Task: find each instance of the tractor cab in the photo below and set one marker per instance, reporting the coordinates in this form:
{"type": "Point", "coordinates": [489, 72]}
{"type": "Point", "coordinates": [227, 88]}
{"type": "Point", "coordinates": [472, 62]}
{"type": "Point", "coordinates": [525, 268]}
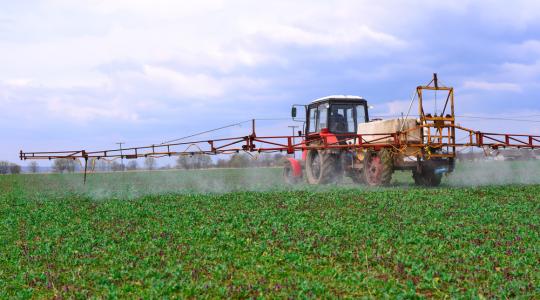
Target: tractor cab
{"type": "Point", "coordinates": [335, 114]}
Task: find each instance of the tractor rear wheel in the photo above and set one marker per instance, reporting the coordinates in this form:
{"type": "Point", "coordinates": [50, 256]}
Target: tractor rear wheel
{"type": "Point", "coordinates": [378, 167]}
{"type": "Point", "coordinates": [323, 167]}
{"type": "Point", "coordinates": [427, 177]}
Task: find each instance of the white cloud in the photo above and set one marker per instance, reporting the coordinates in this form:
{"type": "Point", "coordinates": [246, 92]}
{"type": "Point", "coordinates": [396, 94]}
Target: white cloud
{"type": "Point", "coordinates": [197, 85]}
{"type": "Point", "coordinates": [331, 37]}
{"type": "Point", "coordinates": [492, 86]}
{"type": "Point", "coordinates": [521, 71]}
{"type": "Point", "coordinates": [85, 112]}
{"type": "Point", "coordinates": [396, 108]}
{"type": "Point", "coordinates": [520, 15]}
{"type": "Point", "coordinates": [162, 8]}
{"type": "Point", "coordinates": [515, 122]}
{"type": "Point", "coordinates": [18, 82]}
{"type": "Point", "coordinates": [525, 49]}
{"type": "Point", "coordinates": [62, 60]}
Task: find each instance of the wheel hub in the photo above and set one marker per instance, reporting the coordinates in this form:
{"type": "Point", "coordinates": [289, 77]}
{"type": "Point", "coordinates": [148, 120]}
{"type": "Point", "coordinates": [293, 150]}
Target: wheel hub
{"type": "Point", "coordinates": [374, 171]}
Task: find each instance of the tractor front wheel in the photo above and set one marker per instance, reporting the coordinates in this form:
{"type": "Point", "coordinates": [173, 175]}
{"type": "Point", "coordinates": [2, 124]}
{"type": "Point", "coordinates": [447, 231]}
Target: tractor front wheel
{"type": "Point", "coordinates": [378, 167]}
{"type": "Point", "coordinates": [323, 167]}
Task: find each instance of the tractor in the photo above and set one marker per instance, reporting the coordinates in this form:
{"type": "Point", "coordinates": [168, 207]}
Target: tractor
{"type": "Point", "coordinates": [341, 140]}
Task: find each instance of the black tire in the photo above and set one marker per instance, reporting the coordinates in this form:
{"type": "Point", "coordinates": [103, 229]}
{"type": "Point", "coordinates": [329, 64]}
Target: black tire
{"type": "Point", "coordinates": [288, 174]}
{"type": "Point", "coordinates": [378, 167]}
{"type": "Point", "coordinates": [357, 176]}
{"type": "Point", "coordinates": [426, 177]}
{"type": "Point", "coordinates": [323, 167]}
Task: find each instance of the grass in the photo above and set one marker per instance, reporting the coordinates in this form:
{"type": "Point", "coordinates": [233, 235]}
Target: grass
{"type": "Point", "coordinates": [135, 235]}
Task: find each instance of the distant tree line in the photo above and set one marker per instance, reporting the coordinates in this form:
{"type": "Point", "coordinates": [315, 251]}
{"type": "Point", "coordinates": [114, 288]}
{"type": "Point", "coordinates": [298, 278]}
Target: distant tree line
{"type": "Point", "coordinates": [238, 160]}
{"type": "Point", "coordinates": [9, 168]}
{"type": "Point", "coordinates": [197, 161]}
{"type": "Point", "coordinates": [184, 162]}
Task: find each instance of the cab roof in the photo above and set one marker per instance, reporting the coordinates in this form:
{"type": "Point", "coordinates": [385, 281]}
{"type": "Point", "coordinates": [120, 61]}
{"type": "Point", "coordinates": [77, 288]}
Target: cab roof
{"type": "Point", "coordinates": [340, 97]}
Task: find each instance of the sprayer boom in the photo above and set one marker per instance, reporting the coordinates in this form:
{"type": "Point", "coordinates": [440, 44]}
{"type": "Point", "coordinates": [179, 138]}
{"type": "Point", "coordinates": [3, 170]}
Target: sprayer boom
{"type": "Point", "coordinates": [426, 145]}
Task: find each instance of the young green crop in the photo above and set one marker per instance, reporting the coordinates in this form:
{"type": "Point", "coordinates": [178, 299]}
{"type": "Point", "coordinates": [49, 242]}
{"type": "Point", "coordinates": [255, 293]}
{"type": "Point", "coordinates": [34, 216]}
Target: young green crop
{"type": "Point", "coordinates": [335, 241]}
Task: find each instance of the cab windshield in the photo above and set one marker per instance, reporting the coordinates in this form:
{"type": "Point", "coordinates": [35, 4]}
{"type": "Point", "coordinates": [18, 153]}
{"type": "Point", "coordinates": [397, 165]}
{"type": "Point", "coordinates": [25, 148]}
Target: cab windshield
{"type": "Point", "coordinates": [336, 117]}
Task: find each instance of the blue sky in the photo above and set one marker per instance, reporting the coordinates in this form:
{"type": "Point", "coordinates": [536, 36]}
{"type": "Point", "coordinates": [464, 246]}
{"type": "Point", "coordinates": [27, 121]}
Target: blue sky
{"type": "Point", "coordinates": [86, 74]}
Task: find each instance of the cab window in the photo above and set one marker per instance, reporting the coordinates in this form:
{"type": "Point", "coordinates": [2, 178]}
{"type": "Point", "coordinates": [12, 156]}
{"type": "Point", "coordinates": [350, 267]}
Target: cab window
{"type": "Point", "coordinates": [322, 119]}
{"type": "Point", "coordinates": [342, 118]}
{"type": "Point", "coordinates": [361, 114]}
{"type": "Point", "coordinates": [312, 126]}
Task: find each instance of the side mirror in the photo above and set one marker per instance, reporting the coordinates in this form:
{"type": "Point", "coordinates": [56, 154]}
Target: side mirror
{"type": "Point", "coordinates": [293, 112]}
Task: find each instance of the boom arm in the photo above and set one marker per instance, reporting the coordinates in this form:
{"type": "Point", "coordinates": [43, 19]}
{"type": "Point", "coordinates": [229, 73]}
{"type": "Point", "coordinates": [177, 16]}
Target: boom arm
{"type": "Point", "coordinates": [251, 143]}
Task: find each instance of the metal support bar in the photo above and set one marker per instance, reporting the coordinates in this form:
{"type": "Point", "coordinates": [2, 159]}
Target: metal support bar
{"type": "Point", "coordinates": [85, 166]}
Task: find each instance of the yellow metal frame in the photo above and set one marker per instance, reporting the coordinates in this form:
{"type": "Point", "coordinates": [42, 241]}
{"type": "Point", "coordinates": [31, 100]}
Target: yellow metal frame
{"type": "Point", "coordinates": [443, 124]}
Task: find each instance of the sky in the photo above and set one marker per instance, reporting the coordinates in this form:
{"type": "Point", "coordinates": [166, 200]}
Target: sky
{"type": "Point", "coordinates": [88, 74]}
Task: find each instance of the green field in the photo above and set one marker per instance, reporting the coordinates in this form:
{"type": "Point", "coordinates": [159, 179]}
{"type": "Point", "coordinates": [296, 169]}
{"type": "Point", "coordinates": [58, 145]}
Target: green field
{"type": "Point", "coordinates": [243, 233]}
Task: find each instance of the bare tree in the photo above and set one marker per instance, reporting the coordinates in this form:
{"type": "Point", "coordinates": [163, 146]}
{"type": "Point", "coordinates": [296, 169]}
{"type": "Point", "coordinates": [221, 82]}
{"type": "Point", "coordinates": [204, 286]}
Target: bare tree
{"type": "Point", "coordinates": [63, 164]}
{"type": "Point", "coordinates": [182, 162]}
{"type": "Point", "coordinates": [132, 165]}
{"type": "Point", "coordinates": [14, 169]}
{"type": "Point", "coordinates": [102, 165]}
{"type": "Point", "coordinates": [222, 163]}
{"type": "Point", "coordinates": [278, 159]}
{"type": "Point", "coordinates": [150, 163]}
{"type": "Point", "coordinates": [204, 161]}
{"type": "Point", "coordinates": [239, 160]}
{"type": "Point", "coordinates": [116, 166]}
{"type": "Point", "coordinates": [4, 167]}
{"type": "Point", "coordinates": [34, 166]}
{"type": "Point", "coordinates": [196, 161]}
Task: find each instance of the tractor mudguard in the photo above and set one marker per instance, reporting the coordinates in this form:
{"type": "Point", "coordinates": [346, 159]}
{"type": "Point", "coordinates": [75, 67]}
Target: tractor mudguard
{"type": "Point", "coordinates": [328, 137]}
{"type": "Point", "coordinates": [296, 167]}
